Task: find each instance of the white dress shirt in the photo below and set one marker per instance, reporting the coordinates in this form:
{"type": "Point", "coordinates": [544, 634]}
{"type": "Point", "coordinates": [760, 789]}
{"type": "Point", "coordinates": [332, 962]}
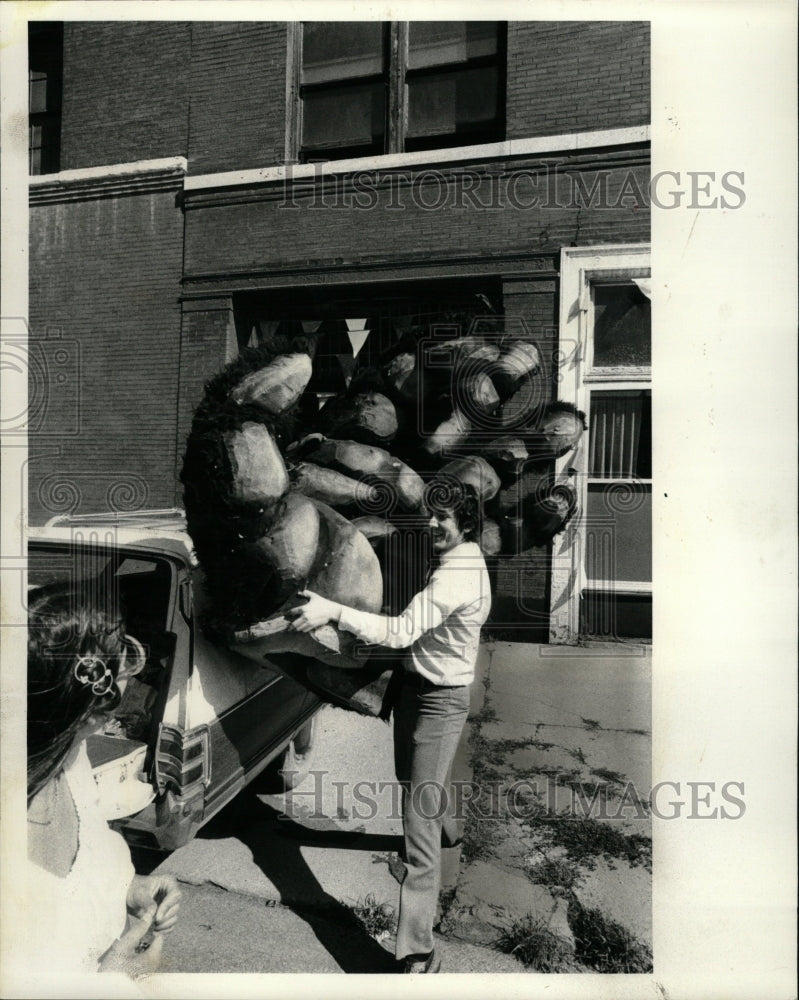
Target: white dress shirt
{"type": "Point", "coordinates": [441, 625]}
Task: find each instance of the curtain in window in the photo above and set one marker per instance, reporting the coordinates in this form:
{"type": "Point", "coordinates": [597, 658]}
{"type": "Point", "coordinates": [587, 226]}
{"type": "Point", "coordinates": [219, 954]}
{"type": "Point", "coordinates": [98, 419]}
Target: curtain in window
{"type": "Point", "coordinates": [620, 435]}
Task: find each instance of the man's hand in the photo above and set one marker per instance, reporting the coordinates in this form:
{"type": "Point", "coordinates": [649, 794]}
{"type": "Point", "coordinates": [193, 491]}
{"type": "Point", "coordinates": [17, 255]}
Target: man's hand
{"type": "Point", "coordinates": [318, 611]}
{"type": "Point", "coordinates": [145, 890]}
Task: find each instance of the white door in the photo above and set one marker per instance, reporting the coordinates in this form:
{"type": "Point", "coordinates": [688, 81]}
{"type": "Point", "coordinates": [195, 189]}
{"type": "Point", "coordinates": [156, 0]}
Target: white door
{"type": "Point", "coordinates": [602, 567]}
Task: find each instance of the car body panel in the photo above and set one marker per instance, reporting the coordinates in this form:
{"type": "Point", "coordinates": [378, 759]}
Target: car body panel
{"type": "Point", "coordinates": [217, 718]}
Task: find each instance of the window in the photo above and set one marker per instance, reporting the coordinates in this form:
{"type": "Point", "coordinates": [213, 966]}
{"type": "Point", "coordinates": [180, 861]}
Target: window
{"type": "Point", "coordinates": [343, 89]}
{"type": "Point", "coordinates": [356, 325]}
{"type": "Point", "coordinates": [45, 50]}
{"type": "Point", "coordinates": [618, 503]}
{"type": "Point", "coordinates": [368, 88]}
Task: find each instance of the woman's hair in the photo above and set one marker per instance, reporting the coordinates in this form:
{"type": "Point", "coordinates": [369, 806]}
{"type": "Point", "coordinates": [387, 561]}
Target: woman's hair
{"type": "Point", "coordinates": [75, 652]}
{"type": "Point", "coordinates": [462, 501]}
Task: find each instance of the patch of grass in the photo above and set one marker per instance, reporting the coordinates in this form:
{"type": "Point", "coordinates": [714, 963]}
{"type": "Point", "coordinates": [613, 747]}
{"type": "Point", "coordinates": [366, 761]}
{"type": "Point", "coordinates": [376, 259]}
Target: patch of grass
{"type": "Point", "coordinates": [585, 839]}
{"type": "Point", "coordinates": [445, 900]}
{"type": "Point", "coordinates": [605, 945]}
{"type": "Point", "coordinates": [615, 776]}
{"type": "Point", "coordinates": [559, 776]}
{"type": "Point", "coordinates": [556, 874]}
{"type": "Point", "coordinates": [486, 714]}
{"type": "Point", "coordinates": [536, 945]}
{"type": "Point", "coordinates": [484, 753]}
{"type": "Point", "coordinates": [592, 790]}
{"type": "Point", "coordinates": [578, 755]}
{"type": "Point", "coordinates": [377, 919]}
{"type": "Point", "coordinates": [480, 837]}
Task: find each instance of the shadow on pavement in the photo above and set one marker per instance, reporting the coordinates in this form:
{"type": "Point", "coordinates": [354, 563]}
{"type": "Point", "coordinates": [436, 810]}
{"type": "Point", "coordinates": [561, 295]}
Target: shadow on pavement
{"type": "Point", "coordinates": [275, 843]}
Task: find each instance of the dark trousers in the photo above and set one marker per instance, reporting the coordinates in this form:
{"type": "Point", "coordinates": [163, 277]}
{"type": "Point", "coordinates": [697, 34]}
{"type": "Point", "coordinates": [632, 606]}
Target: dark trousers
{"type": "Point", "coordinates": [428, 722]}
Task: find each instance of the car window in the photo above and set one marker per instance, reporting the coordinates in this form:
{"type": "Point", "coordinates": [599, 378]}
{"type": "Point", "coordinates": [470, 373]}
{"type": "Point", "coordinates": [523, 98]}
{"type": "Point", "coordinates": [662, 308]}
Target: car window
{"type": "Point", "coordinates": [141, 587]}
{"type": "Point", "coordinates": [139, 584]}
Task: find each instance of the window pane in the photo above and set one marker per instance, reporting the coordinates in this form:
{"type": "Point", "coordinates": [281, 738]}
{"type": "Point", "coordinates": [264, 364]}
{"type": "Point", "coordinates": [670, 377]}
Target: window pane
{"type": "Point", "coordinates": [622, 326]}
{"type": "Point", "coordinates": [35, 161]}
{"type": "Point", "coordinates": [344, 116]}
{"type": "Point", "coordinates": [434, 43]}
{"type": "Point", "coordinates": [37, 91]}
{"type": "Point", "coordinates": [341, 50]}
{"type": "Point", "coordinates": [618, 543]}
{"type": "Point", "coordinates": [452, 102]}
{"type": "Point", "coordinates": [620, 435]}
{"type": "Point", "coordinates": [616, 616]}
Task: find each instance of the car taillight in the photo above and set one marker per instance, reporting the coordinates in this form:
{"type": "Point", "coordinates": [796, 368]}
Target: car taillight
{"type": "Point", "coordinates": [182, 760]}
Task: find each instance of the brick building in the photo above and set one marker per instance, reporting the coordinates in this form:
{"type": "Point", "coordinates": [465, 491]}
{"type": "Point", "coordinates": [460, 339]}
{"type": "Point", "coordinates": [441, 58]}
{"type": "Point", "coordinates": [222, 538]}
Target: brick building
{"type": "Point", "coordinates": [197, 185]}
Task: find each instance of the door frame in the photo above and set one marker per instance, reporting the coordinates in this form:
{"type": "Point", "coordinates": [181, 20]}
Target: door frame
{"type": "Point", "coordinates": [580, 269]}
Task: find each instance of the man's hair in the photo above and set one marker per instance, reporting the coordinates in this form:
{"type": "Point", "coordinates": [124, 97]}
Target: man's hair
{"type": "Point", "coordinates": [462, 501]}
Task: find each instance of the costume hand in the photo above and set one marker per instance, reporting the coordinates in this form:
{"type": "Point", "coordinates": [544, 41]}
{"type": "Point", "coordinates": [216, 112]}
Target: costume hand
{"type": "Point", "coordinates": [318, 611]}
{"type": "Point", "coordinates": [163, 890]}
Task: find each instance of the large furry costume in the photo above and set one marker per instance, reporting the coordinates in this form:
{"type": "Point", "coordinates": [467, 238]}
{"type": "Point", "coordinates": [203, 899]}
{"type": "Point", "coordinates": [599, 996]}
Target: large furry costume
{"type": "Point", "coordinates": [272, 485]}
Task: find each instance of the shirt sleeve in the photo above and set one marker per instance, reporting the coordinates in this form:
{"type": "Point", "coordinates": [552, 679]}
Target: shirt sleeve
{"type": "Point", "coordinates": [444, 594]}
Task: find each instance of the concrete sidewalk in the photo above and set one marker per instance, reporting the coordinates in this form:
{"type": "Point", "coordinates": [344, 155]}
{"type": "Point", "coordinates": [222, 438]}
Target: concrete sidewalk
{"type": "Point", "coordinates": [223, 932]}
{"type": "Point", "coordinates": [320, 841]}
{"type": "Point", "coordinates": [555, 715]}
{"type": "Point", "coordinates": [562, 749]}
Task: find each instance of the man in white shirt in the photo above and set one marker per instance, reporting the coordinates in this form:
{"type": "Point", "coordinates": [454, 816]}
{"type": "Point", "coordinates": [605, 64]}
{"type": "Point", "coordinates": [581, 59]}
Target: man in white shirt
{"type": "Point", "coordinates": [440, 628]}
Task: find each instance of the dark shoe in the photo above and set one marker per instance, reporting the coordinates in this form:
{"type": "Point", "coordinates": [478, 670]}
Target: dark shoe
{"type": "Point", "coordinates": [415, 964]}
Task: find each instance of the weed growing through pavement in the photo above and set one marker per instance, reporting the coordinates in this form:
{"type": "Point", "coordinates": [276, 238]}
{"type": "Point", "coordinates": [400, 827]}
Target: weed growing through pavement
{"type": "Point", "coordinates": [377, 919]}
{"type": "Point", "coordinates": [480, 834]}
{"type": "Point", "coordinates": [604, 945]}
{"type": "Point", "coordinates": [600, 944]}
{"type": "Point", "coordinates": [575, 838]}
{"type": "Point", "coordinates": [558, 875]}
{"type": "Point", "coordinates": [445, 923]}
{"type": "Point", "coordinates": [585, 839]}
{"type": "Point", "coordinates": [536, 945]}
{"type": "Point", "coordinates": [608, 775]}
{"type": "Point", "coordinates": [480, 838]}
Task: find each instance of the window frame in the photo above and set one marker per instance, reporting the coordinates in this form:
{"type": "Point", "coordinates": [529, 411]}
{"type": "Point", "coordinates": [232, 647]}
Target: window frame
{"type": "Point", "coordinates": [46, 40]}
{"type": "Point", "coordinates": [317, 88]}
{"type": "Point", "coordinates": [395, 74]}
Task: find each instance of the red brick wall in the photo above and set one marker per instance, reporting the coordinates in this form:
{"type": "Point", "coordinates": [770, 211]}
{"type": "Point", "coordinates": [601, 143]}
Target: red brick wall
{"type": "Point", "coordinates": [207, 343]}
{"type": "Point", "coordinates": [263, 231]}
{"type": "Point", "coordinates": [238, 96]}
{"type": "Point", "coordinates": [106, 273]}
{"type": "Point", "coordinates": [576, 76]}
{"type": "Point", "coordinates": [125, 92]}
{"type": "Point", "coordinates": [134, 89]}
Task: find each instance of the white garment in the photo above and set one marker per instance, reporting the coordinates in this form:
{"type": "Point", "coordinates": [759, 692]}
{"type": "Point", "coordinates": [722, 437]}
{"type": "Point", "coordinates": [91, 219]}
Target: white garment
{"type": "Point", "coordinates": [442, 623]}
{"type": "Point", "coordinates": [73, 921]}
